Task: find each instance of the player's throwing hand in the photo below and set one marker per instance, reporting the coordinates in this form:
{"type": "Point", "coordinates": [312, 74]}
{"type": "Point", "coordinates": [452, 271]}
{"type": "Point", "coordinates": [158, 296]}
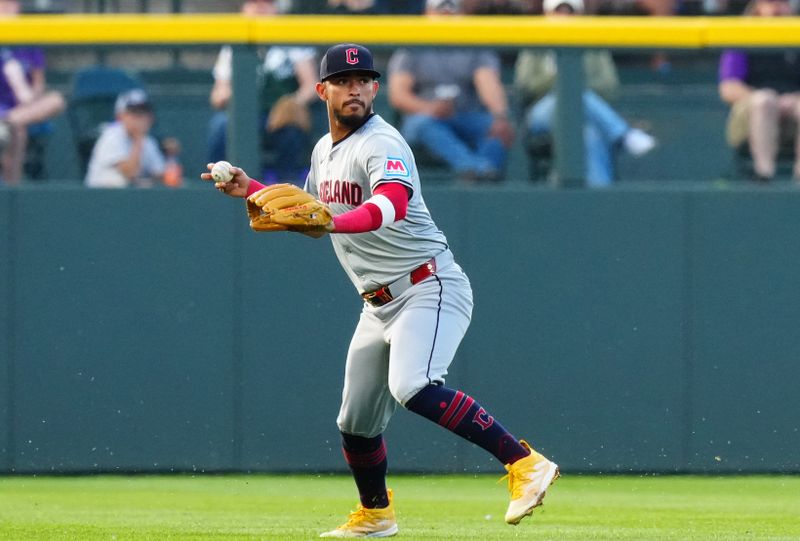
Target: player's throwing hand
{"type": "Point", "coordinates": [235, 187]}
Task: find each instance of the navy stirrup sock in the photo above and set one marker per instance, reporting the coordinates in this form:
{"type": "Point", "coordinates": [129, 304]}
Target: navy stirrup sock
{"type": "Point", "coordinates": [461, 414]}
{"type": "Point", "coordinates": [367, 460]}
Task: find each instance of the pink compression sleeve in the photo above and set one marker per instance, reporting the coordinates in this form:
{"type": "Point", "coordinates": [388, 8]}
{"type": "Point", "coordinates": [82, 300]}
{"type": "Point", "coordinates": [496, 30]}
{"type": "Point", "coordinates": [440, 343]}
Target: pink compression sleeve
{"type": "Point", "coordinates": [253, 187]}
{"type": "Point", "coordinates": [398, 195]}
{"type": "Point", "coordinates": [368, 216]}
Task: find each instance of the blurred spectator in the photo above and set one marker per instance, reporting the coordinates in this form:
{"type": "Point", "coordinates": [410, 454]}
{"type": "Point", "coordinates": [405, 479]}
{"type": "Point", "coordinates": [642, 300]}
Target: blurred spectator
{"type": "Point", "coordinates": [352, 7]}
{"type": "Point", "coordinates": [763, 91]}
{"type": "Point", "coordinates": [403, 7]}
{"type": "Point", "coordinates": [288, 78]}
{"type": "Point", "coordinates": [605, 129]}
{"type": "Point", "coordinates": [492, 7]}
{"type": "Point", "coordinates": [24, 99]}
{"type": "Point", "coordinates": [454, 104]}
{"type": "Point", "coordinates": [376, 7]}
{"type": "Point", "coordinates": [125, 153]}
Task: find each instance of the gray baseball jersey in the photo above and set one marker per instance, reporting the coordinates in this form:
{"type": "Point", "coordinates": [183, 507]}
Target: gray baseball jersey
{"type": "Point", "coordinates": [343, 176]}
{"type": "Point", "coordinates": [401, 347]}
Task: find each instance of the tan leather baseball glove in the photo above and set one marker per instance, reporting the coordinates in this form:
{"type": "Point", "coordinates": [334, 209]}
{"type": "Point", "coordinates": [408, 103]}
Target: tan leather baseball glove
{"type": "Point", "coordinates": [285, 207]}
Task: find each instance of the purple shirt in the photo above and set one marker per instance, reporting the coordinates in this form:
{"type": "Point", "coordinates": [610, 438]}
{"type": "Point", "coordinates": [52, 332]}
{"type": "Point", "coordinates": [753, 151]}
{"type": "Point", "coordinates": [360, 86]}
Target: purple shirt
{"type": "Point", "coordinates": [733, 65]}
{"type": "Point", "coordinates": [777, 70]}
{"type": "Point", "coordinates": [31, 58]}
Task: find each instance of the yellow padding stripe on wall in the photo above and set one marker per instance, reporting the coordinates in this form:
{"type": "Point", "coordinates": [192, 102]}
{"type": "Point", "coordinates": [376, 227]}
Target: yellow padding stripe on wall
{"type": "Point", "coordinates": [517, 31]}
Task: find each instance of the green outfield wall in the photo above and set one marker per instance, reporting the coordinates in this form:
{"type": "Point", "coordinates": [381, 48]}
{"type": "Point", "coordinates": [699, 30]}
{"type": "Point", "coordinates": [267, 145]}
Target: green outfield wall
{"type": "Point", "coordinates": [628, 330]}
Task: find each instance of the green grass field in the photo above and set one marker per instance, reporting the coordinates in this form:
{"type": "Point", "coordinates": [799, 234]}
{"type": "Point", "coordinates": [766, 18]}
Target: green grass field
{"type": "Point", "coordinates": [429, 507]}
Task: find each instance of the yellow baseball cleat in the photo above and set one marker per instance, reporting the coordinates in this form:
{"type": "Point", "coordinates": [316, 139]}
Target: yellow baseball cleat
{"type": "Point", "coordinates": [528, 480]}
{"type": "Point", "coordinates": [365, 522]}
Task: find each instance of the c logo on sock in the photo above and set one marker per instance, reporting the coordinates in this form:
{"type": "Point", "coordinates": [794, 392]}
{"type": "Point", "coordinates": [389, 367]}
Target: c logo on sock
{"type": "Point", "coordinates": [483, 419]}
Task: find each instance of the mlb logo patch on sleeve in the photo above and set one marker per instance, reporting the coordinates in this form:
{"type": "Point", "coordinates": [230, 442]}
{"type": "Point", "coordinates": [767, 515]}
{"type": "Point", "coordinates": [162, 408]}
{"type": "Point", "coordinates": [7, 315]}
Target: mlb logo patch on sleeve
{"type": "Point", "coordinates": [395, 167]}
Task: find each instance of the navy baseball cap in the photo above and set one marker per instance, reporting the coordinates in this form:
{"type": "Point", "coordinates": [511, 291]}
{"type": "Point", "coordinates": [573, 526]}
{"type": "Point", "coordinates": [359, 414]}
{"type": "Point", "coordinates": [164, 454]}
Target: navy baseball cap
{"type": "Point", "coordinates": [133, 101]}
{"type": "Point", "coordinates": [344, 58]}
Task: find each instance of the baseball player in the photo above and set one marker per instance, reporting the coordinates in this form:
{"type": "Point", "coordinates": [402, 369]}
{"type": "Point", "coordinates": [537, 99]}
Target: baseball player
{"type": "Point", "coordinates": [364, 190]}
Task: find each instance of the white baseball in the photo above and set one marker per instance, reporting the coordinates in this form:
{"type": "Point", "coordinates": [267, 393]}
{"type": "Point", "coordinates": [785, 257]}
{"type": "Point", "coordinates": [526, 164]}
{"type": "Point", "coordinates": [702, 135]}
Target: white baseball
{"type": "Point", "coordinates": [221, 172]}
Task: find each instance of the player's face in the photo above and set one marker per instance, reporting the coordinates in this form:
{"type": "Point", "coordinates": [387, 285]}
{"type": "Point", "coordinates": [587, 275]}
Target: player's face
{"type": "Point", "coordinates": [349, 97]}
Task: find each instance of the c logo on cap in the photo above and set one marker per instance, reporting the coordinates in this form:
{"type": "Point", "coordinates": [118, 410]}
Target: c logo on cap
{"type": "Point", "coordinates": [351, 56]}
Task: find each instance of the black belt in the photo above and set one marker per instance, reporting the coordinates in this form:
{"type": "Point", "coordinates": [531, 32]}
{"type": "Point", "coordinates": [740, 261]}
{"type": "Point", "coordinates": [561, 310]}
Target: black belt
{"type": "Point", "coordinates": [385, 294]}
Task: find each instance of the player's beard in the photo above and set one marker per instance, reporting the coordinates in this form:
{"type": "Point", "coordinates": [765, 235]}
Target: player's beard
{"type": "Point", "coordinates": [352, 121]}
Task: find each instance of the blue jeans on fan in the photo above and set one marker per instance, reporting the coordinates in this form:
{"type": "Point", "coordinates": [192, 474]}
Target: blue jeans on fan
{"type": "Point", "coordinates": [603, 129]}
{"type": "Point", "coordinates": [217, 127]}
{"type": "Point", "coordinates": [461, 141]}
